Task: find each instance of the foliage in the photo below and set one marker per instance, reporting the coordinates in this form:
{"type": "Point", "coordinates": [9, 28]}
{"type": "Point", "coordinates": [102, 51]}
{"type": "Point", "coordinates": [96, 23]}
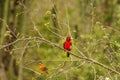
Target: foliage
{"type": "Point", "coordinates": [39, 29]}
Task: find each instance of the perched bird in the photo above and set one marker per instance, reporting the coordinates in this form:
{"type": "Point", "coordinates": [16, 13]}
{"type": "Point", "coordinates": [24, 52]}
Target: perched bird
{"type": "Point", "coordinates": [67, 45]}
{"type": "Point", "coordinates": [43, 68]}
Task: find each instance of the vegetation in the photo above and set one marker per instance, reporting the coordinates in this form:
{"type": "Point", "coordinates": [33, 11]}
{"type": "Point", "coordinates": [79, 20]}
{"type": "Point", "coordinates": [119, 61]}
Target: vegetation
{"type": "Point", "coordinates": [32, 32]}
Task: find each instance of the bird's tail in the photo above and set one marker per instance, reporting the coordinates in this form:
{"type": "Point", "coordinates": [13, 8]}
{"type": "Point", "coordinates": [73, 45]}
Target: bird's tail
{"type": "Point", "coordinates": [68, 54]}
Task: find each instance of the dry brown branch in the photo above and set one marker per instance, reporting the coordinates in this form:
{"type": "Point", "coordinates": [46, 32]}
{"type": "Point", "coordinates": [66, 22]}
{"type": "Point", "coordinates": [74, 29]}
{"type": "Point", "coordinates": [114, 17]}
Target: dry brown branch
{"type": "Point", "coordinates": [56, 45]}
{"type": "Point", "coordinates": [4, 46]}
{"type": "Point", "coordinates": [83, 58]}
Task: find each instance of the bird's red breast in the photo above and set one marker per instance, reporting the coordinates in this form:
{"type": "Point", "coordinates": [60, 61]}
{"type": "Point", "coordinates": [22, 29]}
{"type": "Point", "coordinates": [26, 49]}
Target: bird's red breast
{"type": "Point", "coordinates": [67, 44]}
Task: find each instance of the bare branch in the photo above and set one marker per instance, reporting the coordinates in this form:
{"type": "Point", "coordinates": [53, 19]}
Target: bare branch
{"type": "Point", "coordinates": [84, 58]}
{"type": "Point", "coordinates": [4, 46]}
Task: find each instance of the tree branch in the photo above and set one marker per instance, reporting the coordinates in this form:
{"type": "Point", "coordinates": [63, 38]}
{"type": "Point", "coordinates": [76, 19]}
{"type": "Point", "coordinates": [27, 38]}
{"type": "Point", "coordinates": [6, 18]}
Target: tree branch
{"type": "Point", "coordinates": [84, 58]}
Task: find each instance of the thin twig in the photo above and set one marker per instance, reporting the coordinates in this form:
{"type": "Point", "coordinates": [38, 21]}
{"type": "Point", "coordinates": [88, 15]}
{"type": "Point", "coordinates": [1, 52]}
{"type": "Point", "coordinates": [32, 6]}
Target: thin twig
{"type": "Point", "coordinates": [4, 46]}
{"type": "Point", "coordinates": [32, 70]}
{"type": "Point", "coordinates": [84, 58]}
{"type": "Point", "coordinates": [21, 62]}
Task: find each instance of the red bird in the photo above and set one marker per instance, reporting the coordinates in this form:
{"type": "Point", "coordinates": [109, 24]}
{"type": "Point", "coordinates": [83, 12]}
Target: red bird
{"type": "Point", "coordinates": [67, 45]}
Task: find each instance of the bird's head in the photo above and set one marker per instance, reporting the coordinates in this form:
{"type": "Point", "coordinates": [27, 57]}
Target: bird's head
{"type": "Point", "coordinates": [40, 64]}
{"type": "Point", "coordinates": [68, 39]}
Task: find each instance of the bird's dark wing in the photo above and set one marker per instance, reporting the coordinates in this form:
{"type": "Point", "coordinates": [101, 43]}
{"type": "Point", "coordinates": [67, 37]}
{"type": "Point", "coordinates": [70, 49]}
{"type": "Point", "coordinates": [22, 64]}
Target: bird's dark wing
{"type": "Point", "coordinates": [64, 45]}
{"type": "Point", "coordinates": [45, 68]}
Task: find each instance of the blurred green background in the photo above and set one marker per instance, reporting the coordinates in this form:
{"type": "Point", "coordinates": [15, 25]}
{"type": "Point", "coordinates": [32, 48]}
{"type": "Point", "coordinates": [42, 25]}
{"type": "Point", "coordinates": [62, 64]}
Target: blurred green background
{"type": "Point", "coordinates": [94, 26]}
